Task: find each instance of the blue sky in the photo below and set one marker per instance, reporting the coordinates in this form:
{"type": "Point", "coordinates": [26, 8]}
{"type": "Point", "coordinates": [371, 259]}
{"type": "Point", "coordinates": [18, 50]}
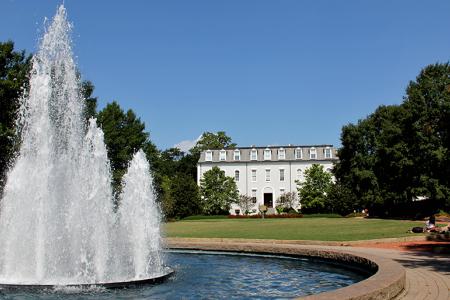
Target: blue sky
{"type": "Point", "coordinates": [266, 72]}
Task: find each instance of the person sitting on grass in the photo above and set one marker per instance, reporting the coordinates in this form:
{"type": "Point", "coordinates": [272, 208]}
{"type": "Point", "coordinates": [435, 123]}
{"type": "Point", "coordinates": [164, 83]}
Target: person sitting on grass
{"type": "Point", "coordinates": [431, 224]}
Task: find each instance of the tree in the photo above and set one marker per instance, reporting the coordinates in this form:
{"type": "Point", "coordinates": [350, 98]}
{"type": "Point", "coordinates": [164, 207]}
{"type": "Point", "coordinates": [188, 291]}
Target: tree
{"type": "Point", "coordinates": [287, 201]}
{"type": "Point", "coordinates": [211, 140]}
{"type": "Point", "coordinates": [313, 191]}
{"type": "Point", "coordinates": [217, 192]}
{"type": "Point", "coordinates": [245, 203]}
{"type": "Point", "coordinates": [124, 135]}
{"type": "Point", "coordinates": [428, 133]}
{"type": "Point", "coordinates": [14, 69]}
{"type": "Point", "coordinates": [180, 196]}
{"type": "Point", "coordinates": [342, 200]}
{"type": "Point", "coordinates": [90, 102]}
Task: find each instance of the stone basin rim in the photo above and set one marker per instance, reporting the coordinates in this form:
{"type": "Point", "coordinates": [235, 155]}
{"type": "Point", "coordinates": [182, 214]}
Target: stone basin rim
{"type": "Point", "coordinates": [387, 282]}
{"type": "Point", "coordinates": [108, 285]}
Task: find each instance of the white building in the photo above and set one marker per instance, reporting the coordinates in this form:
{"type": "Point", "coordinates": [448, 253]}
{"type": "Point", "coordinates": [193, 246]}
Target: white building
{"type": "Point", "coordinates": [264, 173]}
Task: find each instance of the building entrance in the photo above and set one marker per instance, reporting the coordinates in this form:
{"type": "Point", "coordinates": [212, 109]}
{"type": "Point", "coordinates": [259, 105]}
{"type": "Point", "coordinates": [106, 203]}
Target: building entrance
{"type": "Point", "coordinates": [268, 199]}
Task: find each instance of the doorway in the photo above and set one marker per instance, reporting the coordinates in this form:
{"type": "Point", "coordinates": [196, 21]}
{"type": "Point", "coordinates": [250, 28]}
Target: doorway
{"type": "Point", "coordinates": [268, 200]}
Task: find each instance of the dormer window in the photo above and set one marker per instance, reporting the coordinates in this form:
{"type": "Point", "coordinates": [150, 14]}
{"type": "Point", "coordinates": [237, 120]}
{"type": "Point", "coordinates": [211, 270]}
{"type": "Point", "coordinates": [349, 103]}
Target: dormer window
{"type": "Point", "coordinates": [327, 152]}
{"type": "Point", "coordinates": [298, 153]}
{"type": "Point", "coordinates": [237, 155]}
{"type": "Point", "coordinates": [254, 154]}
{"type": "Point", "coordinates": [313, 153]}
{"type": "Point", "coordinates": [281, 153]}
{"type": "Point", "coordinates": [223, 155]}
{"type": "Point", "coordinates": [208, 155]}
{"type": "Point", "coordinates": [267, 154]}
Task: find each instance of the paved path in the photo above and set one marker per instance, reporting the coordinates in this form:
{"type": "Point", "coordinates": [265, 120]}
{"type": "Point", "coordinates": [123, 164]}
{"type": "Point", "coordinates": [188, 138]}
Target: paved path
{"type": "Point", "coordinates": [427, 275]}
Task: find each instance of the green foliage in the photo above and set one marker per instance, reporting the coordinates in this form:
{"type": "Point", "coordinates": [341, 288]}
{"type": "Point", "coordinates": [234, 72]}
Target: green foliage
{"type": "Point", "coordinates": [204, 217]}
{"type": "Point", "coordinates": [124, 135]}
{"type": "Point", "coordinates": [401, 152]}
{"type": "Point", "coordinates": [211, 140]}
{"type": "Point", "coordinates": [341, 200]}
{"type": "Point", "coordinates": [90, 102]}
{"type": "Point", "coordinates": [313, 191]}
{"type": "Point", "coordinates": [217, 192]}
{"type": "Point", "coordinates": [14, 69]}
{"type": "Point", "coordinates": [180, 196]}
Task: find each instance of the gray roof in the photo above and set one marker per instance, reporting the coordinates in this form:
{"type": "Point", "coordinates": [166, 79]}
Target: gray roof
{"type": "Point", "coordinates": [289, 150]}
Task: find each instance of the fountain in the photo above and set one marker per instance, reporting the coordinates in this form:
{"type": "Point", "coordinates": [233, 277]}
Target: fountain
{"type": "Point", "coordinates": [58, 225]}
{"type": "Point", "coordinates": [60, 229]}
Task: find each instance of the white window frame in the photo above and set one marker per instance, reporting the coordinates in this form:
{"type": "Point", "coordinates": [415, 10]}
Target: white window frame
{"type": "Point", "coordinates": [208, 155]}
{"type": "Point", "coordinates": [282, 191]}
{"type": "Point", "coordinates": [254, 154]}
{"type": "Point", "coordinates": [267, 175]}
{"type": "Point", "coordinates": [297, 152]}
{"type": "Point", "coordinates": [282, 172]}
{"type": "Point", "coordinates": [222, 155]}
{"type": "Point", "coordinates": [281, 154]}
{"type": "Point", "coordinates": [237, 175]}
{"type": "Point", "coordinates": [267, 154]}
{"type": "Point", "coordinates": [254, 193]}
{"type": "Point", "coordinates": [312, 152]}
{"type": "Point", "coordinates": [299, 174]}
{"type": "Point", "coordinates": [326, 151]}
{"type": "Point", "coordinates": [237, 155]}
{"type": "Point", "coordinates": [254, 175]}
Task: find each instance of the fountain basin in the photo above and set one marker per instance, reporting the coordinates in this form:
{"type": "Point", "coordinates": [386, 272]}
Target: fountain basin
{"type": "Point", "coordinates": [387, 279]}
{"type": "Point", "coordinates": [160, 278]}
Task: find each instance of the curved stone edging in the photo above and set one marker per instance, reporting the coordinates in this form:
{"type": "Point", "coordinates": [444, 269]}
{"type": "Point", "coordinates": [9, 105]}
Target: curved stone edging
{"type": "Point", "coordinates": [386, 283]}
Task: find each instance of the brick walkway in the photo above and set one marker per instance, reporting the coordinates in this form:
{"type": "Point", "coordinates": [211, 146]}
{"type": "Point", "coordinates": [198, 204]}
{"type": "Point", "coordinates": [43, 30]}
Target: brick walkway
{"type": "Point", "coordinates": [427, 275]}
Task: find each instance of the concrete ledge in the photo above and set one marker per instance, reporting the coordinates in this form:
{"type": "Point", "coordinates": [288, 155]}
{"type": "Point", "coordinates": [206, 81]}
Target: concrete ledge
{"type": "Point", "coordinates": [387, 282]}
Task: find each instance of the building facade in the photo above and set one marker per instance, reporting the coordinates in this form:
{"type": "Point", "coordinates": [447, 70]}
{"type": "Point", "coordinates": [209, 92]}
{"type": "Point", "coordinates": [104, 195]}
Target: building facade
{"type": "Point", "coordinates": [264, 173]}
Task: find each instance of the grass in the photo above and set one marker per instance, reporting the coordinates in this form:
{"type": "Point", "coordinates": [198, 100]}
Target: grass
{"type": "Point", "coordinates": [323, 229]}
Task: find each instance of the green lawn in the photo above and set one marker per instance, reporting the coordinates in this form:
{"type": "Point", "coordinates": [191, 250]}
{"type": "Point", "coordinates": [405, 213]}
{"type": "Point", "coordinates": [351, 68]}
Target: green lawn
{"type": "Point", "coordinates": [323, 229]}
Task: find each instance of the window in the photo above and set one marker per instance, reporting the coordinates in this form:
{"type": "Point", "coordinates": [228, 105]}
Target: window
{"type": "Point", "coordinates": [253, 196]}
{"type": "Point", "coordinates": [208, 155]}
{"type": "Point", "coordinates": [253, 175]}
{"type": "Point", "coordinates": [223, 155]}
{"type": "Point", "coordinates": [282, 191]}
{"type": "Point", "coordinates": [281, 174]}
{"type": "Point", "coordinates": [299, 174]}
{"type": "Point", "coordinates": [267, 154]}
{"type": "Point", "coordinates": [312, 153]}
{"type": "Point", "coordinates": [267, 175]}
{"type": "Point", "coordinates": [237, 155]}
{"type": "Point", "coordinates": [236, 175]}
{"type": "Point", "coordinates": [327, 152]}
{"type": "Point", "coordinates": [254, 154]}
{"type": "Point", "coordinates": [298, 153]}
{"type": "Point", "coordinates": [329, 170]}
{"type": "Point", "coordinates": [281, 153]}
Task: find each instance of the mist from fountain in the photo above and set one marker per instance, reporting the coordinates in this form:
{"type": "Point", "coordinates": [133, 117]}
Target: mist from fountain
{"type": "Point", "coordinates": [58, 225]}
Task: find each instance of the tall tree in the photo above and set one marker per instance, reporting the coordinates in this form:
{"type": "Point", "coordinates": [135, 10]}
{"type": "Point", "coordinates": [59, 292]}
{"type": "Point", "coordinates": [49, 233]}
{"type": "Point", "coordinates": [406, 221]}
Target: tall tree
{"type": "Point", "coordinates": [124, 135]}
{"type": "Point", "coordinates": [313, 191]}
{"type": "Point", "coordinates": [90, 104]}
{"type": "Point", "coordinates": [217, 192]}
{"type": "Point", "coordinates": [14, 69]}
{"type": "Point", "coordinates": [211, 140]}
{"type": "Point", "coordinates": [180, 197]}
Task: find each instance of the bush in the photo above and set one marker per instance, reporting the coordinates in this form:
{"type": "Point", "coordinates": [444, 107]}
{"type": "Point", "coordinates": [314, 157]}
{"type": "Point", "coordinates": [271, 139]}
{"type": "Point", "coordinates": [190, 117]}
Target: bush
{"type": "Point", "coordinates": [205, 217]}
{"type": "Point", "coordinates": [283, 216]}
{"type": "Point", "coordinates": [322, 216]}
